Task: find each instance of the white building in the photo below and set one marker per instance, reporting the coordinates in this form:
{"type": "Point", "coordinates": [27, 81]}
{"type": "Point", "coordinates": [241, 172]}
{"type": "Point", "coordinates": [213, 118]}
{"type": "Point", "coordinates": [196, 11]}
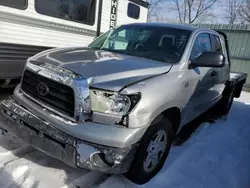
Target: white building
{"type": "Point", "coordinates": [30, 26]}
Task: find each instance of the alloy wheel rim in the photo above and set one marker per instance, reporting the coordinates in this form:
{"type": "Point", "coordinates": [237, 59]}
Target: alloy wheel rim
{"type": "Point", "coordinates": [155, 151]}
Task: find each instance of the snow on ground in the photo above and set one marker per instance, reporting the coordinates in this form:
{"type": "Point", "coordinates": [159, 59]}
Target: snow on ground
{"type": "Point", "coordinates": [217, 155]}
{"type": "Point", "coordinates": [23, 166]}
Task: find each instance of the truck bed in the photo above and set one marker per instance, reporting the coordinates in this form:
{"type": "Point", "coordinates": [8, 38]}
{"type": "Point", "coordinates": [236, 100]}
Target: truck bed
{"type": "Point", "coordinates": [236, 77]}
{"type": "Point", "coordinates": [237, 80]}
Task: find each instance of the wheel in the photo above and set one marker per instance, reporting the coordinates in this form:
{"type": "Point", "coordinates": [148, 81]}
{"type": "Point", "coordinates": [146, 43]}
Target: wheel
{"type": "Point", "coordinates": [152, 152]}
{"type": "Point", "coordinates": [226, 102]}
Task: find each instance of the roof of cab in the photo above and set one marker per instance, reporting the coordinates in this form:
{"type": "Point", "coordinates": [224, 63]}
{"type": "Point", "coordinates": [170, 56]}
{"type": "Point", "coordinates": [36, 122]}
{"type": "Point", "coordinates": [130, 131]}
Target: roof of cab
{"type": "Point", "coordinates": [175, 26]}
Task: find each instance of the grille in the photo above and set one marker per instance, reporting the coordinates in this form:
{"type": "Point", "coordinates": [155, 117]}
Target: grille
{"type": "Point", "coordinates": [59, 97]}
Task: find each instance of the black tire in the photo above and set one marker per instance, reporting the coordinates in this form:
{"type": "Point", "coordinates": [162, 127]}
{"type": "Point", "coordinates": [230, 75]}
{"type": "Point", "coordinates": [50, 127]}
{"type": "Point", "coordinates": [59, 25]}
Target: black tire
{"type": "Point", "coordinates": [226, 102]}
{"type": "Point", "coordinates": [137, 172]}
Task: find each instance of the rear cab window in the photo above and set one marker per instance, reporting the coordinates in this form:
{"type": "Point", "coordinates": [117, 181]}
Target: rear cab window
{"type": "Point", "coordinates": [217, 44]}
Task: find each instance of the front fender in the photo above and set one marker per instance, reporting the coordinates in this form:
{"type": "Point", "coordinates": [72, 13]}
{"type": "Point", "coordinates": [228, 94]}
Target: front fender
{"type": "Point", "coordinates": [157, 95]}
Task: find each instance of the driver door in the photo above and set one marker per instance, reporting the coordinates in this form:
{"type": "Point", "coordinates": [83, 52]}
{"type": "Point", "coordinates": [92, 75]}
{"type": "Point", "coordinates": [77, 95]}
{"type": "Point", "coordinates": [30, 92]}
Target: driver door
{"type": "Point", "coordinates": [202, 80]}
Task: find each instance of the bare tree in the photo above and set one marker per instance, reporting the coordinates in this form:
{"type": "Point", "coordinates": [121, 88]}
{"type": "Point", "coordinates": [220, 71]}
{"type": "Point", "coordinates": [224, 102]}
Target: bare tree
{"type": "Point", "coordinates": [233, 11]}
{"type": "Point", "coordinates": [153, 6]}
{"type": "Point", "coordinates": [206, 17]}
{"type": "Point", "coordinates": [154, 17]}
{"type": "Point", "coordinates": [190, 11]}
{"type": "Point", "coordinates": [244, 13]}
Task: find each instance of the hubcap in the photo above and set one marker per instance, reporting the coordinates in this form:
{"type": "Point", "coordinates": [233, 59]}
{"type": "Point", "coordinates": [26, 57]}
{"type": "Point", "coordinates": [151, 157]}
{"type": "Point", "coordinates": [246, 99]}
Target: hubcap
{"type": "Point", "coordinates": [155, 151]}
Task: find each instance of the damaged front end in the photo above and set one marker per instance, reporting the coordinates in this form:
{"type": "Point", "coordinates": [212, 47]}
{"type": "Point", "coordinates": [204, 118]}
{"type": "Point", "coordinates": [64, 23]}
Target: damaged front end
{"type": "Point", "coordinates": [73, 151]}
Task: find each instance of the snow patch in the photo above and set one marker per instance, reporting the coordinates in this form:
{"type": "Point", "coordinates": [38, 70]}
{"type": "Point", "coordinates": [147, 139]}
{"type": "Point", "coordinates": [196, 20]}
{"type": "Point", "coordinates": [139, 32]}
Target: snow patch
{"type": "Point", "coordinates": [29, 183]}
{"type": "Point", "coordinates": [217, 155]}
{"type": "Point", "coordinates": [20, 172]}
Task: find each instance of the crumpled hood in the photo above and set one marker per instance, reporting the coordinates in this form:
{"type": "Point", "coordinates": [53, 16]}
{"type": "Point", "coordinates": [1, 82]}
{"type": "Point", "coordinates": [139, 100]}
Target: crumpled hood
{"type": "Point", "coordinates": [103, 69]}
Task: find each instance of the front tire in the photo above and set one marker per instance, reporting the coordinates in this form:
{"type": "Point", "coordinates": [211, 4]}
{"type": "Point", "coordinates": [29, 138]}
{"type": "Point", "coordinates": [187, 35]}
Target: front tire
{"type": "Point", "coordinates": [152, 152]}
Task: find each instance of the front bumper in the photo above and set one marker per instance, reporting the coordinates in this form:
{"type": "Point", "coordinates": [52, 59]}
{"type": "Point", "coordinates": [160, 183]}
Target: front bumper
{"type": "Point", "coordinates": [71, 150]}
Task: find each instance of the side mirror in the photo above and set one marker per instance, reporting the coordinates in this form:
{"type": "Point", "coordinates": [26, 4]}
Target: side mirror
{"type": "Point", "coordinates": [208, 59]}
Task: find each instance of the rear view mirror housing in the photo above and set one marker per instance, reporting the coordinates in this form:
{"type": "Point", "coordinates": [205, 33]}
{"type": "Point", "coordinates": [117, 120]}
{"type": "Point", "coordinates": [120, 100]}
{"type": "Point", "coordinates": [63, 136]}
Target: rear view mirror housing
{"type": "Point", "coordinates": [208, 59]}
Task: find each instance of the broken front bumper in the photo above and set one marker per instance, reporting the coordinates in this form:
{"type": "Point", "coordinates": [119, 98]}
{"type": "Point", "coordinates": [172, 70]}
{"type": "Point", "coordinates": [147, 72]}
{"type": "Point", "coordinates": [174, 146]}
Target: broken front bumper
{"type": "Point", "coordinates": [73, 151]}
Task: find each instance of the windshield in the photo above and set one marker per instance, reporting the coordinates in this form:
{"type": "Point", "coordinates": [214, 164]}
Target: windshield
{"type": "Point", "coordinates": [157, 43]}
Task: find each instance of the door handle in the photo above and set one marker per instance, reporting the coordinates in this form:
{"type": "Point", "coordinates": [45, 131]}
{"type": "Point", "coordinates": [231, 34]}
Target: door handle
{"type": "Point", "coordinates": [213, 73]}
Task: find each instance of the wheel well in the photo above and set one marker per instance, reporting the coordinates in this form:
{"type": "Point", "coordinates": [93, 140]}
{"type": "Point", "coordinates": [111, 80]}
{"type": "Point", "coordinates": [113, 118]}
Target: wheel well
{"type": "Point", "coordinates": [174, 115]}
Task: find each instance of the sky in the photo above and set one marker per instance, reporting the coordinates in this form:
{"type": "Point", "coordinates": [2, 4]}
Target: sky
{"type": "Point", "coordinates": [167, 13]}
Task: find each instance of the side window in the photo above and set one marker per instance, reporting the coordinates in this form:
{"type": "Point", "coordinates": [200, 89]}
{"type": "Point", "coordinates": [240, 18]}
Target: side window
{"type": "Point", "coordinates": [218, 47]}
{"type": "Point", "coordinates": [133, 11]}
{"type": "Point", "coordinates": [19, 4]}
{"type": "Point", "coordinates": [202, 44]}
{"type": "Point", "coordinates": [73, 10]}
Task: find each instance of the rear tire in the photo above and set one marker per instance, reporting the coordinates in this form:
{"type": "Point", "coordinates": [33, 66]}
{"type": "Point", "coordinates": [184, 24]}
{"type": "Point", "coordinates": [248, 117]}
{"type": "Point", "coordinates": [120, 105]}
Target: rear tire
{"type": "Point", "coordinates": [152, 152]}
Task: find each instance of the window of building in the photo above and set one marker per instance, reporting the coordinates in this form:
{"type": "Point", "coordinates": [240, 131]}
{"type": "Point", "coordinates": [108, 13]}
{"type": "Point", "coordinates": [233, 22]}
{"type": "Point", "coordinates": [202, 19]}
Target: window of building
{"type": "Point", "coordinates": [202, 44]}
{"type": "Point", "coordinates": [19, 4]}
{"type": "Point", "coordinates": [74, 10]}
{"type": "Point", "coordinates": [133, 11]}
{"type": "Point", "coordinates": [218, 47]}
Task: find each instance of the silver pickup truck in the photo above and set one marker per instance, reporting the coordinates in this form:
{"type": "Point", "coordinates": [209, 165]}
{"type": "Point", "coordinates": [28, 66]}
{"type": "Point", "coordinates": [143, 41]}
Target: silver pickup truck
{"type": "Point", "coordinates": [116, 105]}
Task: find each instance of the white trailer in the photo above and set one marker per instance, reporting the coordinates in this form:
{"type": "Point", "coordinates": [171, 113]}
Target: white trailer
{"type": "Point", "coordinates": [30, 26]}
